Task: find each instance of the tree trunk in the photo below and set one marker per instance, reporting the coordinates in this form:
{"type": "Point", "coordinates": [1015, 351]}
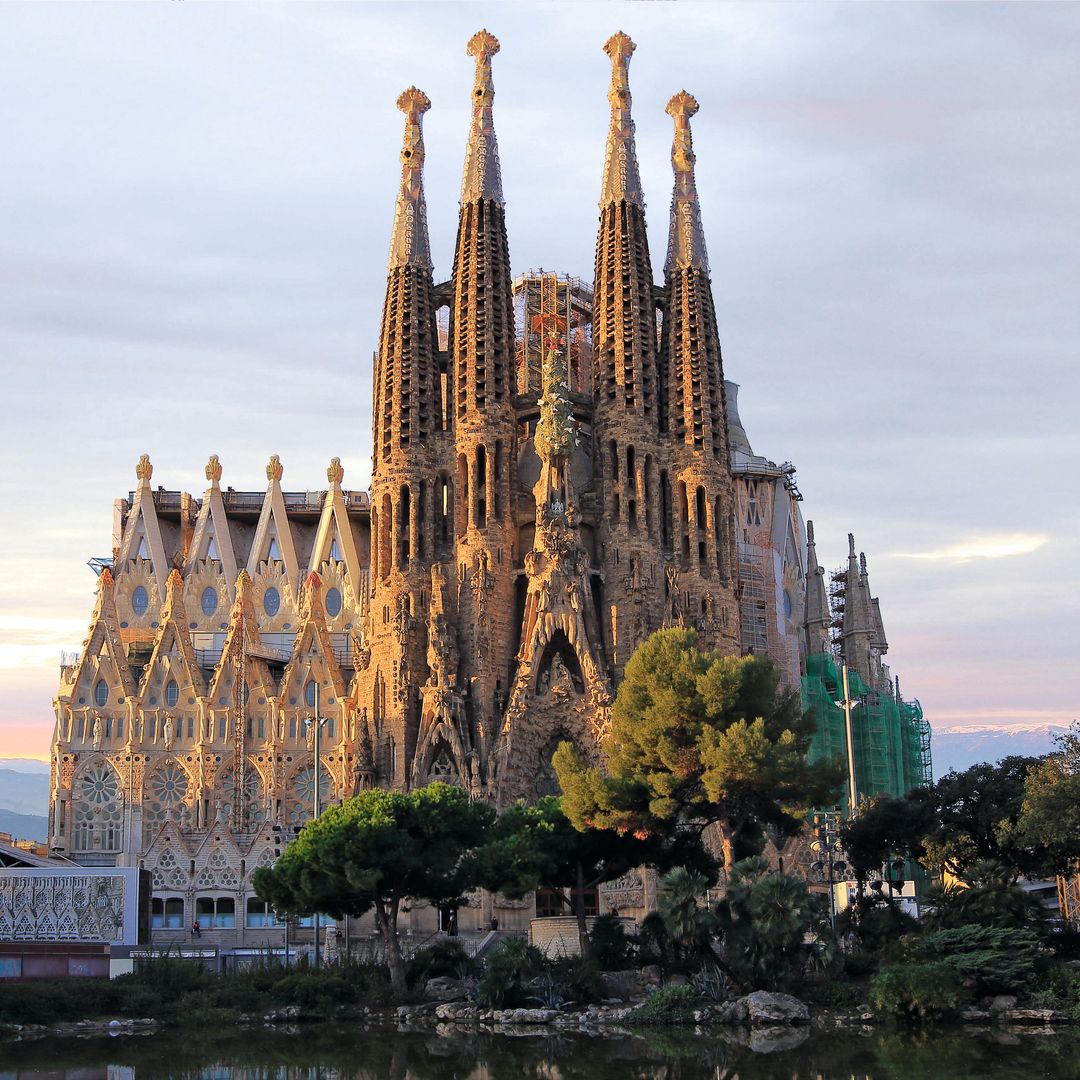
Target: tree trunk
{"type": "Point", "coordinates": [727, 846]}
{"type": "Point", "coordinates": [386, 923]}
{"type": "Point", "coordinates": [579, 910]}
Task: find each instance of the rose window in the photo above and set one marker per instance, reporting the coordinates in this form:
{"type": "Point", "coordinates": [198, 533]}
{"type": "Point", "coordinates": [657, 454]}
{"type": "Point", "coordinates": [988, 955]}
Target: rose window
{"type": "Point", "coordinates": [303, 801]}
{"type": "Point", "coordinates": [99, 785]}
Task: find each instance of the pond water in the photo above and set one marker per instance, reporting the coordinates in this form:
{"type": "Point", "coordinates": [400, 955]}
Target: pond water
{"type": "Point", "coordinates": [379, 1053]}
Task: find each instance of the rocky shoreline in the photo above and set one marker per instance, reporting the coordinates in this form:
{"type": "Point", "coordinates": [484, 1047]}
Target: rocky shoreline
{"type": "Point", "coordinates": [762, 1017]}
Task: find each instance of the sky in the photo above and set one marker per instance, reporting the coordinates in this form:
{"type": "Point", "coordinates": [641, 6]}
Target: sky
{"type": "Point", "coordinates": [197, 200]}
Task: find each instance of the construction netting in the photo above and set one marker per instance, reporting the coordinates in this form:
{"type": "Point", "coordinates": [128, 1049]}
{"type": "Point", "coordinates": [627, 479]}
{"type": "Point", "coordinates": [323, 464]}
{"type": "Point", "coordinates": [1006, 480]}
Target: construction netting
{"type": "Point", "coordinates": [890, 739]}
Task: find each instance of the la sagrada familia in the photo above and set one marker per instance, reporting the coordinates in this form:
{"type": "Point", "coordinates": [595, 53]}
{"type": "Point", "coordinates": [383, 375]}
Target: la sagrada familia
{"type": "Point", "coordinates": [524, 531]}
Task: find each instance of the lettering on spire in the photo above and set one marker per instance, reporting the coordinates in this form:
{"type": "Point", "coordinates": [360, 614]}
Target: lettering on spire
{"type": "Point", "coordinates": [622, 181]}
{"type": "Point", "coordinates": [686, 238]}
{"type": "Point", "coordinates": [409, 241]}
{"type": "Point", "coordinates": [483, 177]}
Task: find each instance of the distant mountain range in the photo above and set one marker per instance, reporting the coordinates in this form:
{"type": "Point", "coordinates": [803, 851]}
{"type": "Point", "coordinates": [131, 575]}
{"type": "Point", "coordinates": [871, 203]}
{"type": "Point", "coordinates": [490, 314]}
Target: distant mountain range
{"type": "Point", "coordinates": [961, 747]}
{"type": "Point", "coordinates": [24, 798]}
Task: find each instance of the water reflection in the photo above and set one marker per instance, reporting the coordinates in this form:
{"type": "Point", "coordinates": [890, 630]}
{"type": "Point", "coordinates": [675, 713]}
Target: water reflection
{"type": "Point", "coordinates": [323, 1052]}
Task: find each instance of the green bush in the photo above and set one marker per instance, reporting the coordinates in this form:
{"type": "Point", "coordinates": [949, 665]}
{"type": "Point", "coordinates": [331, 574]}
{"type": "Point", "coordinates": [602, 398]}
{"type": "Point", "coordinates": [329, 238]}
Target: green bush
{"type": "Point", "coordinates": [669, 1005]}
{"type": "Point", "coordinates": [508, 968]}
{"type": "Point", "coordinates": [986, 959]}
{"type": "Point", "coordinates": [316, 991]}
{"type": "Point", "coordinates": [579, 977]}
{"type": "Point", "coordinates": [1057, 988]}
{"type": "Point", "coordinates": [612, 947]}
{"type": "Point", "coordinates": [764, 918]}
{"type": "Point", "coordinates": [915, 991]}
{"type": "Point", "coordinates": [444, 958]}
{"type": "Point", "coordinates": [835, 994]}
{"type": "Point", "coordinates": [652, 943]}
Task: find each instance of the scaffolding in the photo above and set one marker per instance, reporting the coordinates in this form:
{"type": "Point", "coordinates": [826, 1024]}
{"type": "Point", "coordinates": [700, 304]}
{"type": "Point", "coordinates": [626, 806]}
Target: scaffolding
{"type": "Point", "coordinates": [890, 738]}
{"type": "Point", "coordinates": [541, 299]}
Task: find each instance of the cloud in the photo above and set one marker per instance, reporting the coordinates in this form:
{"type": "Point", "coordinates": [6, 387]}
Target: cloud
{"type": "Point", "coordinates": [993, 546]}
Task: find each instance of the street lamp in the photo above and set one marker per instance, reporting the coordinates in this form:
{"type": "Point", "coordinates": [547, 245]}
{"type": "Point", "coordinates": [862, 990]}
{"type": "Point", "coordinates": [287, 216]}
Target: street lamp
{"type": "Point", "coordinates": [828, 844]}
{"type": "Point", "coordinates": [847, 704]}
{"type": "Point", "coordinates": [316, 722]}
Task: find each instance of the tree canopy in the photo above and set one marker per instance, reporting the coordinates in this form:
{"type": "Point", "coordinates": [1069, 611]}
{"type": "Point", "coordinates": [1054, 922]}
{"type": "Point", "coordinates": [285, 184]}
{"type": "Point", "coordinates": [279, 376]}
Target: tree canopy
{"type": "Point", "coordinates": [539, 847]}
{"type": "Point", "coordinates": [1049, 822]}
{"type": "Point", "coordinates": [373, 851]}
{"type": "Point", "coordinates": [699, 739]}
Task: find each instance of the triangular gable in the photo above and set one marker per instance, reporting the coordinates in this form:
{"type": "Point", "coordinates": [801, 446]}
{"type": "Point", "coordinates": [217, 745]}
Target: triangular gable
{"type": "Point", "coordinates": [212, 538]}
{"type": "Point", "coordinates": [312, 640]}
{"type": "Point", "coordinates": [104, 639]}
{"type": "Point", "coordinates": [173, 652]}
{"type": "Point", "coordinates": [142, 534]}
{"type": "Point", "coordinates": [334, 529]}
{"type": "Point", "coordinates": [168, 837]}
{"type": "Point", "coordinates": [274, 528]}
{"type": "Point", "coordinates": [242, 615]}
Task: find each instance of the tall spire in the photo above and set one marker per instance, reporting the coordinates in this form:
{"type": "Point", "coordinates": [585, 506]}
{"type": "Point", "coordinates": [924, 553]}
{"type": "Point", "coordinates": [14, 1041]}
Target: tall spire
{"type": "Point", "coordinates": [482, 179]}
{"type": "Point", "coordinates": [622, 182]}
{"type": "Point", "coordinates": [409, 241]}
{"type": "Point", "coordinates": [691, 368]}
{"type": "Point", "coordinates": [818, 617]}
{"type": "Point", "coordinates": [686, 240]}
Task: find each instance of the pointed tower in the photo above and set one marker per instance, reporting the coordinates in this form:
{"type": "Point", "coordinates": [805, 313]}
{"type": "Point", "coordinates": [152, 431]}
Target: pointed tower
{"type": "Point", "coordinates": [407, 417]}
{"type": "Point", "coordinates": [818, 617]}
{"type": "Point", "coordinates": [482, 357]}
{"type": "Point", "coordinates": [858, 631]}
{"type": "Point", "coordinates": [627, 410]}
{"type": "Point", "coordinates": [698, 529]}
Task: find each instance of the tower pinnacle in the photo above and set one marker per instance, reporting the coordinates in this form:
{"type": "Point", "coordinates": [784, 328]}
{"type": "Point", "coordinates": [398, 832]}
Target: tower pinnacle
{"type": "Point", "coordinates": [409, 240]}
{"type": "Point", "coordinates": [686, 239]}
{"type": "Point", "coordinates": [622, 181]}
{"type": "Point", "coordinates": [482, 179]}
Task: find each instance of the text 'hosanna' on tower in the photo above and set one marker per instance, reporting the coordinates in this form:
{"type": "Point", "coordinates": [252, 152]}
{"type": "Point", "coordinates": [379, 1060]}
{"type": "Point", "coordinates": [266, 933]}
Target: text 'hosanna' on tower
{"type": "Point", "coordinates": [558, 470]}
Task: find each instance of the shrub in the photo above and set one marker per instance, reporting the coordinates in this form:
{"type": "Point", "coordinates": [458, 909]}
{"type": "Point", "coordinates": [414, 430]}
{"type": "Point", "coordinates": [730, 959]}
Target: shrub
{"type": "Point", "coordinates": [915, 991]}
{"type": "Point", "coordinates": [669, 1005]}
{"type": "Point", "coordinates": [444, 958]}
{"type": "Point", "coordinates": [508, 968]}
{"type": "Point", "coordinates": [764, 918]}
{"type": "Point", "coordinates": [652, 943]}
{"type": "Point", "coordinates": [612, 947]}
{"type": "Point", "coordinates": [579, 977]}
{"type": "Point", "coordinates": [986, 959]}
{"type": "Point", "coordinates": [319, 991]}
{"type": "Point", "coordinates": [835, 994]}
{"type": "Point", "coordinates": [1059, 988]}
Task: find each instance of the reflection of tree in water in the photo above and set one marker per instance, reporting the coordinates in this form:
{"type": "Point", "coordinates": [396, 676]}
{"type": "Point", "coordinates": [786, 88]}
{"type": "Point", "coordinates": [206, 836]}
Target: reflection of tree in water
{"type": "Point", "coordinates": [357, 1052]}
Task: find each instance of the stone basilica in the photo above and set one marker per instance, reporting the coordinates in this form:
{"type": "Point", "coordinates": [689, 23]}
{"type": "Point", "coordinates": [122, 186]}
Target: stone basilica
{"type": "Point", "coordinates": [533, 514]}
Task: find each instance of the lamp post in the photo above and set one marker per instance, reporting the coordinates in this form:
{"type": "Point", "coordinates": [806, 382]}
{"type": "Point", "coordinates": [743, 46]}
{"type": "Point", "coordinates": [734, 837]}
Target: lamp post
{"type": "Point", "coordinates": [317, 723]}
{"type": "Point", "coordinates": [828, 844]}
{"type": "Point", "coordinates": [847, 704]}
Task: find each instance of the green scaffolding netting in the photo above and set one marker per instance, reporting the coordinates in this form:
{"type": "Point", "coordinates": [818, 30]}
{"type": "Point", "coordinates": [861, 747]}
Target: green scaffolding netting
{"type": "Point", "coordinates": [890, 739]}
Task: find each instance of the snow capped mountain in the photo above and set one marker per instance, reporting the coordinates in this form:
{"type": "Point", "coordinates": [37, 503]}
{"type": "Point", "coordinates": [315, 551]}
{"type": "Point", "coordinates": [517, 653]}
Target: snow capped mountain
{"type": "Point", "coordinates": [961, 747]}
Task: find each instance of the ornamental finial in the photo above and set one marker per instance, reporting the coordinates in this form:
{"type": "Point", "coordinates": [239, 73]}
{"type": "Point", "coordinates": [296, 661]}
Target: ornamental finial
{"type": "Point", "coordinates": [483, 178]}
{"type": "Point", "coordinates": [213, 469]}
{"type": "Point", "coordinates": [274, 469]}
{"type": "Point", "coordinates": [144, 470]}
{"type": "Point", "coordinates": [622, 181]}
{"type": "Point", "coordinates": [686, 238]}
{"type": "Point", "coordinates": [335, 474]}
{"type": "Point", "coordinates": [409, 240]}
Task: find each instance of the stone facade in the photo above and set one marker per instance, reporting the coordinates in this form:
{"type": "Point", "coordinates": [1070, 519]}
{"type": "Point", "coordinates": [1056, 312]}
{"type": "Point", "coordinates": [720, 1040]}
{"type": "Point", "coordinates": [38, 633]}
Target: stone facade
{"type": "Point", "coordinates": [536, 509]}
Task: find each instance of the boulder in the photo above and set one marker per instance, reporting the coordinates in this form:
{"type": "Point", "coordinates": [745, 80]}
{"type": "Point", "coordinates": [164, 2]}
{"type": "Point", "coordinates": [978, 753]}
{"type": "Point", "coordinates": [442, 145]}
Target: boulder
{"type": "Point", "coordinates": [1001, 1003]}
{"type": "Point", "coordinates": [1027, 1016]}
{"type": "Point", "coordinates": [763, 1007]}
{"type": "Point", "coordinates": [678, 980]}
{"type": "Point", "coordinates": [651, 975]}
{"type": "Point", "coordinates": [622, 984]}
{"type": "Point", "coordinates": [445, 988]}
{"type": "Point", "coordinates": [732, 1012]}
